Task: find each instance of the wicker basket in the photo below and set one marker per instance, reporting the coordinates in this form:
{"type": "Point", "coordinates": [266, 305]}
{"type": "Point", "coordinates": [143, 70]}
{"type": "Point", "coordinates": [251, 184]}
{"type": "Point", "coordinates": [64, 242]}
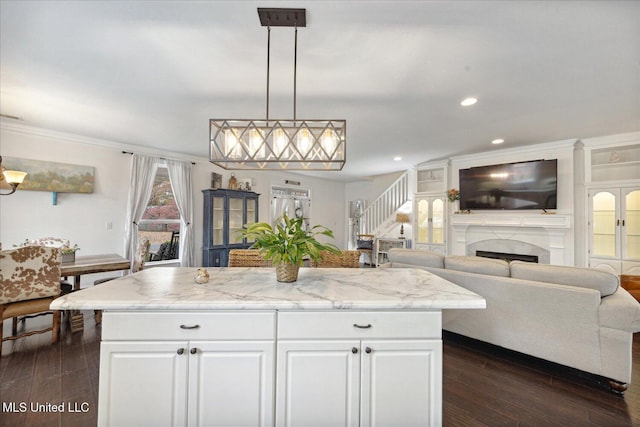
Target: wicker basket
{"type": "Point", "coordinates": [347, 259]}
{"type": "Point", "coordinates": [287, 272]}
{"type": "Point", "coordinates": [248, 258]}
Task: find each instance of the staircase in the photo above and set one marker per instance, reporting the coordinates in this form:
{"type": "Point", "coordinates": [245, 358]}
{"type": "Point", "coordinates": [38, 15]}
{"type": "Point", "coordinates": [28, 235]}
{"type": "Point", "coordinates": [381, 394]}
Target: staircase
{"type": "Point", "coordinates": [381, 213]}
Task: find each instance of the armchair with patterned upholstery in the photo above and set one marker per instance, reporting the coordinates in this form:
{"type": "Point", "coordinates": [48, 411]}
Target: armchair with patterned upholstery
{"type": "Point", "coordinates": [53, 242]}
{"type": "Point", "coordinates": [29, 281]}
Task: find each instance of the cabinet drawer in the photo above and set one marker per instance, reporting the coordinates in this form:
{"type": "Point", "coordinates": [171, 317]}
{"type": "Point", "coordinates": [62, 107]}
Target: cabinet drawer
{"type": "Point", "coordinates": [359, 324]}
{"type": "Point", "coordinates": [187, 325]}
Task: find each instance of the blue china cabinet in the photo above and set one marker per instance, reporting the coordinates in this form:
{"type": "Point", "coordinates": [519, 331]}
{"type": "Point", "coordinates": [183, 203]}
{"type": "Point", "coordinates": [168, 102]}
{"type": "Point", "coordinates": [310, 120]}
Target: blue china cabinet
{"type": "Point", "coordinates": [225, 212]}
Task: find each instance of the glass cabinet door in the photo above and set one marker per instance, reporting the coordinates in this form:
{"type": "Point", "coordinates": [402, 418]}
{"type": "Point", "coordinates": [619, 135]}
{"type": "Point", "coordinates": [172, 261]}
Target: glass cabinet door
{"type": "Point", "coordinates": [615, 225]}
{"type": "Point", "coordinates": [251, 212]}
{"type": "Point", "coordinates": [631, 225]}
{"type": "Point", "coordinates": [218, 221]}
{"type": "Point", "coordinates": [430, 220]}
{"type": "Point", "coordinates": [236, 220]}
{"type": "Point", "coordinates": [604, 227]}
{"type": "Point", "coordinates": [423, 221]}
{"type": "Point", "coordinates": [437, 221]}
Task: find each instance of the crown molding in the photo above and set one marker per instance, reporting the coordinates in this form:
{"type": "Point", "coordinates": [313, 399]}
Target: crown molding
{"type": "Point", "coordinates": [80, 139]}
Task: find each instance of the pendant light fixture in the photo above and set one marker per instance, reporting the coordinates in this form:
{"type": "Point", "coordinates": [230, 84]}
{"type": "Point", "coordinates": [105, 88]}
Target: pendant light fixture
{"type": "Point", "coordinates": [292, 144]}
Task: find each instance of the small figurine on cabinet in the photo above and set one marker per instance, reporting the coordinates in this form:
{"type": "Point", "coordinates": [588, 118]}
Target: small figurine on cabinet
{"type": "Point", "coordinates": [233, 182]}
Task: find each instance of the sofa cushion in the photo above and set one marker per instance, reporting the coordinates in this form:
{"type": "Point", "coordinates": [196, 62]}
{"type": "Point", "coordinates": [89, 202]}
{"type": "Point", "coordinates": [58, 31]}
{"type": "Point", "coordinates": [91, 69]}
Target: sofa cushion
{"type": "Point", "coordinates": [476, 264]}
{"type": "Point", "coordinates": [604, 282]}
{"type": "Point", "coordinates": [416, 257]}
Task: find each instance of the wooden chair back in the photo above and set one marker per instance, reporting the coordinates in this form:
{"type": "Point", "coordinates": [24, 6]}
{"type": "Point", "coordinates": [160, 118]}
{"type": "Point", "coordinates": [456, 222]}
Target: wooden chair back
{"type": "Point", "coordinates": [248, 258]}
{"type": "Point", "coordinates": [346, 259]}
{"type": "Point", "coordinates": [142, 252]}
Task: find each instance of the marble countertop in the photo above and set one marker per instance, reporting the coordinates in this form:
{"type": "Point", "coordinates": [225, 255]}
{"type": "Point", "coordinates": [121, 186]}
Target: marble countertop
{"type": "Point", "coordinates": [174, 288]}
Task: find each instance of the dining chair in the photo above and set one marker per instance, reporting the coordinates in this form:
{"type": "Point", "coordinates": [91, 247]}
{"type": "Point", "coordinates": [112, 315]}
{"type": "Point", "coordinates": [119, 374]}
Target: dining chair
{"type": "Point", "coordinates": [139, 258]}
{"type": "Point", "coordinates": [346, 259]}
{"type": "Point", "coordinates": [29, 281]}
{"type": "Point", "coordinates": [366, 242]}
{"type": "Point", "coordinates": [248, 258]}
{"type": "Point", "coordinates": [54, 242]}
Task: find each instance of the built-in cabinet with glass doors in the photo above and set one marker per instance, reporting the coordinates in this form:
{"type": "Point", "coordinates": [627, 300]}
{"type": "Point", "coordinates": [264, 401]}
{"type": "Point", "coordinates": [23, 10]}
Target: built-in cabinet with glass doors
{"type": "Point", "coordinates": [430, 207]}
{"type": "Point", "coordinates": [225, 213]}
{"type": "Point", "coordinates": [613, 195]}
{"type": "Point", "coordinates": [430, 211]}
{"type": "Point", "coordinates": [615, 228]}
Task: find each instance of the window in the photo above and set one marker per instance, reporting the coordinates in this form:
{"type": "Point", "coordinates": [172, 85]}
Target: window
{"type": "Point", "coordinates": [161, 220]}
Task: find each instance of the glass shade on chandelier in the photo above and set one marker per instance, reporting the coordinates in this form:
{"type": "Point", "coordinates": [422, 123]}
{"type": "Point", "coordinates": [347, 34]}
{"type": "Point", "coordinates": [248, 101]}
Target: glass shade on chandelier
{"type": "Point", "coordinates": [278, 144]}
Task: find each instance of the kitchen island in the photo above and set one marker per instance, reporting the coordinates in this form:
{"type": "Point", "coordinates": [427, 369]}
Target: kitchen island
{"type": "Point", "coordinates": [338, 347]}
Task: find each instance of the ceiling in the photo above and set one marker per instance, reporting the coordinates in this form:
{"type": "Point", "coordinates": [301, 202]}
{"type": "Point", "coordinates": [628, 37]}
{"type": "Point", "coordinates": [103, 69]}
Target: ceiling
{"type": "Point", "coordinates": [152, 74]}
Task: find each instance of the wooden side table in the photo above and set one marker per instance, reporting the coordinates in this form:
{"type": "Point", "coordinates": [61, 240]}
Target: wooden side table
{"type": "Point", "coordinates": [631, 283]}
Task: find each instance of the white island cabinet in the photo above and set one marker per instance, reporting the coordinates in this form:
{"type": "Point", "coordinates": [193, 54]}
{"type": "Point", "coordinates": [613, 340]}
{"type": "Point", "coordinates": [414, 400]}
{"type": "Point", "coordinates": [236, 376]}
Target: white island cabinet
{"type": "Point", "coordinates": [359, 368]}
{"type": "Point", "coordinates": [339, 347]}
{"type": "Point", "coordinates": [179, 368]}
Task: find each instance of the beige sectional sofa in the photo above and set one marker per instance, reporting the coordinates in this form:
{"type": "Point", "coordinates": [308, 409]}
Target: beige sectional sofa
{"type": "Point", "coordinates": [576, 317]}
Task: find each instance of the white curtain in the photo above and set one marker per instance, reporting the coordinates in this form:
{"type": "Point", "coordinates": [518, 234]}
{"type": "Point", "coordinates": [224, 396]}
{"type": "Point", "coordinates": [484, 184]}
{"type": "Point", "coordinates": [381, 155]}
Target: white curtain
{"type": "Point", "coordinates": [143, 172]}
{"type": "Point", "coordinates": [181, 184]}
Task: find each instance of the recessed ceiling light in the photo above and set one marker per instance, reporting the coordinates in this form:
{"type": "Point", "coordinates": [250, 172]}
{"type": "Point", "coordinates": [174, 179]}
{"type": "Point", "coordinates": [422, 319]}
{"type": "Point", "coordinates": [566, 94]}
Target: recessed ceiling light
{"type": "Point", "coordinates": [468, 101]}
{"type": "Point", "coordinates": [497, 141]}
{"type": "Point", "coordinates": [397, 158]}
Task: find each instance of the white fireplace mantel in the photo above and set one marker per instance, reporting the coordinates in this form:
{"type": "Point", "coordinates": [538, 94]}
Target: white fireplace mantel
{"type": "Point", "coordinates": [547, 231]}
{"type": "Point", "coordinates": [510, 219]}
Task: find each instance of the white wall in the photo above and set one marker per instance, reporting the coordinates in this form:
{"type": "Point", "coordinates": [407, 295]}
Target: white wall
{"type": "Point", "coordinates": [83, 218]}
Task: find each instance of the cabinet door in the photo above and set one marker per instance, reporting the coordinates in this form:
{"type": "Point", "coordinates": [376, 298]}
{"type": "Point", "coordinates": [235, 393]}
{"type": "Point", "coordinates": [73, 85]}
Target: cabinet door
{"type": "Point", "coordinates": [318, 383]}
{"type": "Point", "coordinates": [231, 383]}
{"type": "Point", "coordinates": [430, 220]}
{"type": "Point", "coordinates": [605, 223]}
{"type": "Point", "coordinates": [401, 383]}
{"type": "Point", "coordinates": [236, 219]}
{"type": "Point", "coordinates": [614, 229]}
{"type": "Point", "coordinates": [143, 384]}
{"type": "Point", "coordinates": [217, 215]}
{"type": "Point", "coordinates": [630, 199]}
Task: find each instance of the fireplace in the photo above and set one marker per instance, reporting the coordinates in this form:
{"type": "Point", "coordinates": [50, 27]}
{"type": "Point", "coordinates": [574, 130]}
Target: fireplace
{"type": "Point", "coordinates": [547, 237]}
{"type": "Point", "coordinates": [508, 257]}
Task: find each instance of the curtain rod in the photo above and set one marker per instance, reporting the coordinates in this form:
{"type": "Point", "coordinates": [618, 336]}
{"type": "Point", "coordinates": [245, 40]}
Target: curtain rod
{"type": "Point", "coordinates": [161, 158]}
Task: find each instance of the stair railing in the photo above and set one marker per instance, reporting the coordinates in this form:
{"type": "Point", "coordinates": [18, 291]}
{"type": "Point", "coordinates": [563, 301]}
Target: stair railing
{"type": "Point", "coordinates": [385, 205]}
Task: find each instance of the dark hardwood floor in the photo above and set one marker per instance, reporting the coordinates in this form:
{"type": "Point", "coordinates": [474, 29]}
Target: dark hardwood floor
{"type": "Point", "coordinates": [483, 385]}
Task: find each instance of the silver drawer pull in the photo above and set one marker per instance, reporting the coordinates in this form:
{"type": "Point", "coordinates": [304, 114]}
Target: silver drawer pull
{"type": "Point", "coordinates": [189, 326]}
{"type": "Point", "coordinates": [367, 326]}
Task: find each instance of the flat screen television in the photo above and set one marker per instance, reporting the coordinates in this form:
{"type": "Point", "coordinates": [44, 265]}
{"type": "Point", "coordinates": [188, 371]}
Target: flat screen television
{"type": "Point", "coordinates": [523, 185]}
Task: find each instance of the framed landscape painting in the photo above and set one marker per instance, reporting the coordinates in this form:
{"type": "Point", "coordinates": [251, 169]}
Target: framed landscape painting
{"type": "Point", "coordinates": [52, 176]}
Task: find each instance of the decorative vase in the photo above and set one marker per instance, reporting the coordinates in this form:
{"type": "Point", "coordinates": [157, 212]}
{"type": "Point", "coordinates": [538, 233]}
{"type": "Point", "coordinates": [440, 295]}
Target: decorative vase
{"type": "Point", "coordinates": [68, 257]}
{"type": "Point", "coordinates": [287, 272]}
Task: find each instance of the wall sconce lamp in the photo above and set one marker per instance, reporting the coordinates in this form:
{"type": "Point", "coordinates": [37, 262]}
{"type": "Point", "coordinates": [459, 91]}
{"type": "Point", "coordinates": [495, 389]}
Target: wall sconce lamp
{"type": "Point", "coordinates": [13, 178]}
{"type": "Point", "coordinates": [402, 218]}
